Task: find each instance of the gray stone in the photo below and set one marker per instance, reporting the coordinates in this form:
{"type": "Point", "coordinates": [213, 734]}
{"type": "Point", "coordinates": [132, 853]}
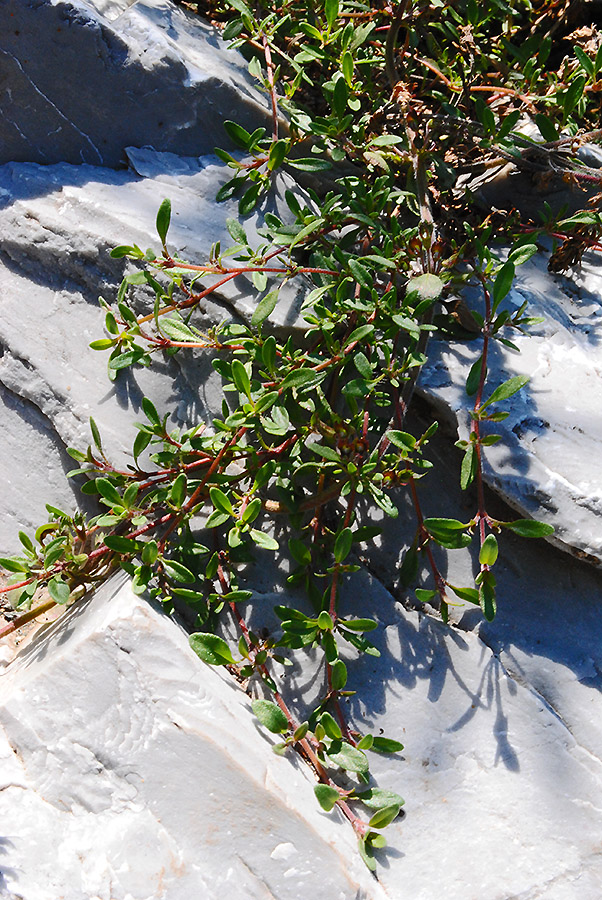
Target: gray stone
{"type": "Point", "coordinates": [81, 81]}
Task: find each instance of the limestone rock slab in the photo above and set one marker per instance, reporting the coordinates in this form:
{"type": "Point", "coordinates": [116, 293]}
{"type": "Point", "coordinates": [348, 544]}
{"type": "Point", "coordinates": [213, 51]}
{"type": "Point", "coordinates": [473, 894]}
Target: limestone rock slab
{"type": "Point", "coordinates": [143, 774]}
{"type": "Point", "coordinates": [80, 81]}
{"type": "Point", "coordinates": [546, 466]}
{"type": "Point", "coordinates": [132, 771]}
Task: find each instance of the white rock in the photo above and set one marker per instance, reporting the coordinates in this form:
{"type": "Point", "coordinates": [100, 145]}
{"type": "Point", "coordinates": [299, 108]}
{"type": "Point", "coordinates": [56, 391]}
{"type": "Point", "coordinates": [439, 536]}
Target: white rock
{"type": "Point", "coordinates": [79, 86]}
{"type": "Point", "coordinates": [132, 771]}
{"type": "Point", "coordinates": [143, 774]}
{"type": "Point", "coordinates": [546, 466]}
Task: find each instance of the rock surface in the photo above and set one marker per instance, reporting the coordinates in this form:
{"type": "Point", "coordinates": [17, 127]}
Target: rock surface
{"type": "Point", "coordinates": [146, 72]}
{"type": "Point", "coordinates": [128, 769]}
{"type": "Point", "coordinates": [546, 464]}
{"type": "Point", "coordinates": [132, 771]}
{"type": "Point", "coordinates": [145, 775]}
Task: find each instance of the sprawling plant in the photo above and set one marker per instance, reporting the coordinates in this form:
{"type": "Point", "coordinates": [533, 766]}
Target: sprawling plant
{"type": "Point", "coordinates": [386, 113]}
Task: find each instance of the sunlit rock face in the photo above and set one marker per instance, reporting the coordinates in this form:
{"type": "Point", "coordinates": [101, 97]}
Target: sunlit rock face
{"type": "Point", "coordinates": [546, 464]}
{"type": "Point", "coordinates": [129, 769]}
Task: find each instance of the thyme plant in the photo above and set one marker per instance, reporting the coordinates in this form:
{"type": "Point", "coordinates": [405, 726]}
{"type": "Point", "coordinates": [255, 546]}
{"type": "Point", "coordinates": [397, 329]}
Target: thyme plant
{"type": "Point", "coordinates": [386, 112]}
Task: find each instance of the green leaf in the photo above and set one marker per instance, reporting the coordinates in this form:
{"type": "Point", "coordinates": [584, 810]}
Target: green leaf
{"type": "Point", "coordinates": [367, 854]}
{"type": "Point", "coordinates": [508, 124]}
{"type": "Point", "coordinates": [13, 565]}
{"type": "Point", "coordinates": [163, 220]}
{"type": "Point", "coordinates": [95, 434]}
{"type": "Point", "coordinates": [384, 816]}
{"type": "Point", "coordinates": [474, 377]}
{"type": "Point", "coordinates": [573, 95]}
{"type": "Point", "coordinates": [301, 731]}
{"type": "Point", "coordinates": [102, 344]}
{"type": "Point", "coordinates": [584, 60]}
{"type": "Point", "coordinates": [178, 572]}
{"type": "Point", "coordinates": [310, 164]}
{"type": "Point", "coordinates": [359, 625]}
{"type": "Point", "coordinates": [150, 552]}
{"type": "Point", "coordinates": [489, 551]}
{"type": "Point", "coordinates": [270, 716]}
{"type": "Point", "coordinates": [266, 401]}
{"type": "Point", "coordinates": [300, 378]}
{"type": "Point", "coordinates": [252, 511]}
{"type": "Point", "coordinates": [122, 544]}
{"type": "Point", "coordinates": [150, 412]}
{"type": "Point", "coordinates": [221, 502]}
{"type": "Point", "coordinates": [211, 649]}
{"type": "Point", "coordinates": [177, 493]}
{"type": "Point", "coordinates": [264, 540]}
{"type": "Point", "coordinates": [177, 330]}
{"type": "Point", "coordinates": [141, 442]}
{"type": "Point", "coordinates": [386, 745]}
{"type": "Point", "coordinates": [487, 600]}
{"type": "Point", "coordinates": [325, 622]}
{"type": "Point", "coordinates": [278, 152]}
{"type": "Point", "coordinates": [59, 591]}
{"type": "Point", "coordinates": [347, 67]}
{"type": "Point", "coordinates": [216, 519]}
{"type": "Point", "coordinates": [529, 528]}
{"type": "Point", "coordinates": [507, 389]}
{"type": "Point", "coordinates": [338, 675]}
{"type": "Point", "coordinates": [236, 231]}
{"type": "Point", "coordinates": [469, 594]}
{"type": "Point", "coordinates": [237, 134]}
{"type": "Point", "coordinates": [124, 360]}
{"type": "Point", "coordinates": [359, 334]}
{"type": "Point", "coordinates": [121, 251]}
{"type": "Point", "coordinates": [363, 276]}
{"type": "Point", "coordinates": [546, 127]}
{"type": "Point", "coordinates": [331, 10]}
{"type": "Point", "coordinates": [26, 541]}
{"type": "Point", "coordinates": [330, 726]}
{"type": "Point", "coordinates": [522, 253]}
{"type": "Point", "coordinates": [409, 567]}
{"type": "Point", "coordinates": [265, 308]}
{"type": "Point", "coordinates": [248, 201]}
{"type": "Point", "coordinates": [503, 283]}
{"type": "Point", "coordinates": [300, 552]}
{"type": "Point", "coordinates": [350, 758]}
{"type": "Point", "coordinates": [108, 492]}
{"type": "Point", "coordinates": [240, 378]}
{"type": "Point", "coordinates": [443, 527]}
{"type": "Point", "coordinates": [326, 796]}
{"type": "Point", "coordinates": [375, 798]}
{"type": "Point", "coordinates": [469, 467]}
{"type": "Point", "coordinates": [342, 544]}
{"type": "Point", "coordinates": [402, 439]}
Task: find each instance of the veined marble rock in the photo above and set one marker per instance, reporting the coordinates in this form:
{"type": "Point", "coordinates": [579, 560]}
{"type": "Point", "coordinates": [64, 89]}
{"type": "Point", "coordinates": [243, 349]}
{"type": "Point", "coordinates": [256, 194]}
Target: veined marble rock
{"type": "Point", "coordinates": [83, 79]}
